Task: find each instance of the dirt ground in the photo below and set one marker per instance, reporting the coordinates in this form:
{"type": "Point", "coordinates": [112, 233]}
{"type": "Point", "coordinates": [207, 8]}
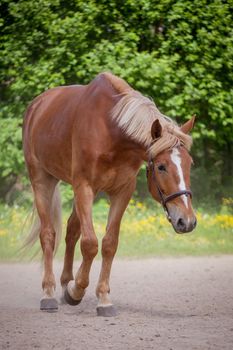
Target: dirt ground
{"type": "Point", "coordinates": [170, 303]}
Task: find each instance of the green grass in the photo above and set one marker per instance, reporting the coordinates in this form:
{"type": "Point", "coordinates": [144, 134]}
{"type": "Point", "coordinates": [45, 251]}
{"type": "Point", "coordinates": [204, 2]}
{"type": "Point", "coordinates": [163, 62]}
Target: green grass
{"type": "Point", "coordinates": [145, 232]}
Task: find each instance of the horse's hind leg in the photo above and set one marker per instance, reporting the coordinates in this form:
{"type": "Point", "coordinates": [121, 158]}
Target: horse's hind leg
{"type": "Point", "coordinates": [89, 245]}
{"type": "Point", "coordinates": [119, 203]}
{"type": "Point", "coordinates": [72, 235]}
{"type": "Point", "coordinates": [44, 187]}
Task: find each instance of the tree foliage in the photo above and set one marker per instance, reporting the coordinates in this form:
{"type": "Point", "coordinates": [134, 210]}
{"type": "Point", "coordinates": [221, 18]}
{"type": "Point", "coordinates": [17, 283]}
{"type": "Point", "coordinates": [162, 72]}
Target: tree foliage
{"type": "Point", "coordinates": [179, 52]}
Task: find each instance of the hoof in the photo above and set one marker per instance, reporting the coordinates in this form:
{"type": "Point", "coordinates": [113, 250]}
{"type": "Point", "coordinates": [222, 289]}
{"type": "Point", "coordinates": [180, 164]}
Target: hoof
{"type": "Point", "coordinates": [49, 304]}
{"type": "Point", "coordinates": [69, 300]}
{"type": "Point", "coordinates": [106, 311]}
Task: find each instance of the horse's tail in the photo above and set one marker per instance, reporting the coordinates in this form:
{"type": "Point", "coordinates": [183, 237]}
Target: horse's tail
{"type": "Point", "coordinates": [56, 221]}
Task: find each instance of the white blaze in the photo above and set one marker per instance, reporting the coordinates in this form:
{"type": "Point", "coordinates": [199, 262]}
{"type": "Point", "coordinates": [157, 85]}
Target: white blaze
{"type": "Point", "coordinates": [176, 159]}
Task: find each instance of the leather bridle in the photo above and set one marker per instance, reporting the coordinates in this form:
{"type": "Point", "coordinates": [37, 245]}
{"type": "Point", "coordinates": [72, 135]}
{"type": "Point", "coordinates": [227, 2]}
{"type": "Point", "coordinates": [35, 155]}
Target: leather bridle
{"type": "Point", "coordinates": [164, 199]}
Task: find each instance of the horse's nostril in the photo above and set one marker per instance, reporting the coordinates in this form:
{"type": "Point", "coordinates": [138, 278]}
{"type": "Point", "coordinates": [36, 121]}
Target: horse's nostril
{"type": "Point", "coordinates": [181, 224]}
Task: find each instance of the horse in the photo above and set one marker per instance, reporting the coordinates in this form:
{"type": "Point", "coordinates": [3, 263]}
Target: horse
{"type": "Point", "coordinates": [95, 137]}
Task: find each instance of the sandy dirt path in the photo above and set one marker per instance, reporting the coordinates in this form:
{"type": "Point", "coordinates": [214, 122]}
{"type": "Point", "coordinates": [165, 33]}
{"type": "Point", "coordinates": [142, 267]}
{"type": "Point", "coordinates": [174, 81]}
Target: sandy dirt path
{"type": "Point", "coordinates": [172, 304]}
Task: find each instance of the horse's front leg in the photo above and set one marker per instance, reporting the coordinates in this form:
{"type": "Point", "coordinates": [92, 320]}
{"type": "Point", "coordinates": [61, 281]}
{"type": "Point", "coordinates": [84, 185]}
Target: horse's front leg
{"type": "Point", "coordinates": [119, 203]}
{"type": "Point", "coordinates": [75, 290]}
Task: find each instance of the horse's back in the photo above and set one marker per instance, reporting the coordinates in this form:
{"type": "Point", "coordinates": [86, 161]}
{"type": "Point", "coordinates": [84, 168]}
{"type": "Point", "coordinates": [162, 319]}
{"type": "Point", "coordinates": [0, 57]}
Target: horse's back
{"type": "Point", "coordinates": [64, 103]}
{"type": "Point", "coordinates": [65, 120]}
{"type": "Point", "coordinates": [49, 103]}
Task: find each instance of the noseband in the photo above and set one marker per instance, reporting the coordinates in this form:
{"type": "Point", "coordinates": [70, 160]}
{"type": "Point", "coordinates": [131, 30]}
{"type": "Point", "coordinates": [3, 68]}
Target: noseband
{"type": "Point", "coordinates": [164, 199]}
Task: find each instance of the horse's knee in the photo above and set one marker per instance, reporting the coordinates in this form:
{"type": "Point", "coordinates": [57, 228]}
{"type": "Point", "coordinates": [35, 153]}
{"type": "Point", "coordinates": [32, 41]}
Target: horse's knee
{"type": "Point", "coordinates": [89, 247]}
{"type": "Point", "coordinates": [109, 246]}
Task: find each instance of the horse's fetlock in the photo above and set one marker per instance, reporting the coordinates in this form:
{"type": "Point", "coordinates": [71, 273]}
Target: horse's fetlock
{"type": "Point", "coordinates": [102, 289]}
{"type": "Point", "coordinates": [49, 283]}
{"type": "Point", "coordinates": [66, 278]}
{"type": "Point", "coordinates": [82, 284]}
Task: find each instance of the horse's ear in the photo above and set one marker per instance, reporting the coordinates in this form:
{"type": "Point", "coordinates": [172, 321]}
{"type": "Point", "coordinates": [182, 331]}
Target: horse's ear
{"type": "Point", "coordinates": [156, 130]}
{"type": "Point", "coordinates": [187, 127]}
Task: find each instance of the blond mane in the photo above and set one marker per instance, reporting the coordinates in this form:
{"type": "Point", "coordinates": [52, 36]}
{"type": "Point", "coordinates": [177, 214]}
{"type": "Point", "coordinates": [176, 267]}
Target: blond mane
{"type": "Point", "coordinates": [135, 114]}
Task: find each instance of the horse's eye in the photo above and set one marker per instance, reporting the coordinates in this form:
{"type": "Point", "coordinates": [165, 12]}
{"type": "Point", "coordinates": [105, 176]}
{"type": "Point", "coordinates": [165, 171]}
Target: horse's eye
{"type": "Point", "coordinates": [161, 167]}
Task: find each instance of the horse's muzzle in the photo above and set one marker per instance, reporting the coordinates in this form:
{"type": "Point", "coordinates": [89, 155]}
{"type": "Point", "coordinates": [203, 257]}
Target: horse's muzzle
{"type": "Point", "coordinates": [183, 225]}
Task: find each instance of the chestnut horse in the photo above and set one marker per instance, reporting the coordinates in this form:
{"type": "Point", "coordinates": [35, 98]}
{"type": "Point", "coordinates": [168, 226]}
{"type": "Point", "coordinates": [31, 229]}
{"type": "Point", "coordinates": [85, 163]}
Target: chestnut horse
{"type": "Point", "coordinates": [96, 137]}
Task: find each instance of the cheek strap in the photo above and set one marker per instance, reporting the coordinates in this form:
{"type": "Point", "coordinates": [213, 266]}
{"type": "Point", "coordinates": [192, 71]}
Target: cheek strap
{"type": "Point", "coordinates": [150, 169]}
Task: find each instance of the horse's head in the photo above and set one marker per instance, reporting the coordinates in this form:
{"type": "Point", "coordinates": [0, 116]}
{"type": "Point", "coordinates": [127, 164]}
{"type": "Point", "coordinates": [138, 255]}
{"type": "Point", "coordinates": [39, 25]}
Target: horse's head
{"type": "Point", "coordinates": [168, 177]}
